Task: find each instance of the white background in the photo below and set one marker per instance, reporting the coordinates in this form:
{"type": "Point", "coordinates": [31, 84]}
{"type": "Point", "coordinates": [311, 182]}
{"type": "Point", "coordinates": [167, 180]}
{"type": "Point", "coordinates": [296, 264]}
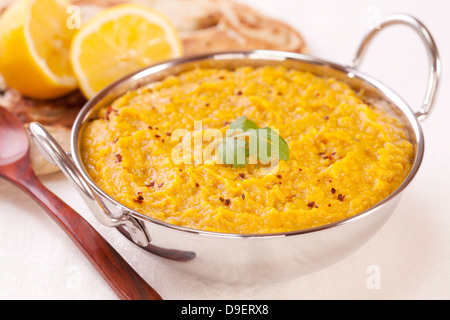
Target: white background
{"type": "Point", "coordinates": [411, 252]}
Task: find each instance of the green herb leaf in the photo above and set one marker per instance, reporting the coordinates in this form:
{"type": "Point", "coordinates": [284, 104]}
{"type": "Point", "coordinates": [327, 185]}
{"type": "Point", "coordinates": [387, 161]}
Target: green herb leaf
{"type": "Point", "coordinates": [243, 124]}
{"type": "Point", "coordinates": [279, 146]}
{"type": "Point", "coordinates": [234, 152]}
{"type": "Point", "coordinates": [263, 145]}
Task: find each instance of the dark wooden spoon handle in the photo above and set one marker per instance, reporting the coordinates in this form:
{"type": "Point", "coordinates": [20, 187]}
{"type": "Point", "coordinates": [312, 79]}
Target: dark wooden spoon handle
{"type": "Point", "coordinates": [121, 277]}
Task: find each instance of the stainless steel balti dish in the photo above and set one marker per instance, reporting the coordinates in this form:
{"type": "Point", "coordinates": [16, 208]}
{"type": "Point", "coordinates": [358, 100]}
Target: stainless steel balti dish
{"type": "Point", "coordinates": [249, 258]}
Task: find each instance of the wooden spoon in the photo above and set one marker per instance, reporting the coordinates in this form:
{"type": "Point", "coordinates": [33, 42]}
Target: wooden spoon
{"type": "Point", "coordinates": [15, 167]}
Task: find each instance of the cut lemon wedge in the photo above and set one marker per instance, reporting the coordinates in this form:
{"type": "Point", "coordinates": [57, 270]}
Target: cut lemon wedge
{"type": "Point", "coordinates": [34, 48]}
{"type": "Point", "coordinates": [119, 41]}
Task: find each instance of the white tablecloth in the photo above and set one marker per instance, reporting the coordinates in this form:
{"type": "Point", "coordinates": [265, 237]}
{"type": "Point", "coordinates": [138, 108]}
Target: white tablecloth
{"type": "Point", "coordinates": [410, 256]}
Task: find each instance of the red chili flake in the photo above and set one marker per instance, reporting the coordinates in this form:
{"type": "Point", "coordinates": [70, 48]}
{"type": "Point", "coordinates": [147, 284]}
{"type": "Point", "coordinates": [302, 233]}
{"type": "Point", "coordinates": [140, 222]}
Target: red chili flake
{"type": "Point", "coordinates": [222, 199]}
{"type": "Point", "coordinates": [119, 158]}
{"type": "Point", "coordinates": [160, 185]}
{"type": "Point", "coordinates": [279, 176]}
{"type": "Point", "coordinates": [207, 105]}
{"type": "Point", "coordinates": [108, 112]}
{"type": "Point", "coordinates": [197, 185]}
{"type": "Point", "coordinates": [327, 118]}
{"type": "Point", "coordinates": [139, 199]}
{"type": "Point", "coordinates": [280, 93]}
{"type": "Point", "coordinates": [242, 175]}
{"type": "Point", "coordinates": [157, 136]}
{"type": "Point", "coordinates": [290, 198]}
{"type": "Point", "coordinates": [152, 184]}
{"type": "Point", "coordinates": [322, 154]}
{"type": "Point", "coordinates": [341, 197]}
{"type": "Point", "coordinates": [330, 156]}
{"type": "Point", "coordinates": [333, 190]}
{"type": "Point", "coordinates": [150, 127]}
{"type": "Point", "coordinates": [312, 204]}
{"type": "Point", "coordinates": [329, 205]}
{"type": "Point", "coordinates": [168, 134]}
{"type": "Point", "coordinates": [227, 202]}
{"type": "Point", "coordinates": [239, 93]}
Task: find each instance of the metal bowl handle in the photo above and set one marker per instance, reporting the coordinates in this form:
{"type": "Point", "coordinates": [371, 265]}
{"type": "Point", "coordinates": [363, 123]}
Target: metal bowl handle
{"type": "Point", "coordinates": [54, 153]}
{"type": "Point", "coordinates": [433, 56]}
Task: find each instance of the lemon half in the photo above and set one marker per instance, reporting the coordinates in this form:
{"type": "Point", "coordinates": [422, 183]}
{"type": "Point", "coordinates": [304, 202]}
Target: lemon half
{"type": "Point", "coordinates": [118, 41]}
{"type": "Point", "coordinates": [35, 48]}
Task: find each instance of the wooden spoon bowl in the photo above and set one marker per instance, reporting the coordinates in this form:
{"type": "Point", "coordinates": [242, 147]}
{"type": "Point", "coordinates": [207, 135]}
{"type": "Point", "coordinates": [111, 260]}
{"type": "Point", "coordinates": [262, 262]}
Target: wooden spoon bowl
{"type": "Point", "coordinates": [15, 166]}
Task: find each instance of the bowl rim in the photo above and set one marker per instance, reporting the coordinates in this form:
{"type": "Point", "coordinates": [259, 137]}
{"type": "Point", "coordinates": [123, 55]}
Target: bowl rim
{"type": "Point", "coordinates": [266, 55]}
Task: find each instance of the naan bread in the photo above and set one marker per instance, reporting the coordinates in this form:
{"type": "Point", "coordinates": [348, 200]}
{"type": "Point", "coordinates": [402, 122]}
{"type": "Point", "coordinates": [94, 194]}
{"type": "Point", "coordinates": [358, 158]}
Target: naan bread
{"type": "Point", "coordinates": [216, 25]}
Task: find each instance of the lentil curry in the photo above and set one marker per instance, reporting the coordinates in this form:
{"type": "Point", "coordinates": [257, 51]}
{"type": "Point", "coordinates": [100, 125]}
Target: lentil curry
{"type": "Point", "coordinates": [346, 155]}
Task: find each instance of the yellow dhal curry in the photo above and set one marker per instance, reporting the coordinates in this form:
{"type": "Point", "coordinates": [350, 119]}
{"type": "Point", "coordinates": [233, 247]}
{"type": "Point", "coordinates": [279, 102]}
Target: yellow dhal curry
{"type": "Point", "coordinates": [345, 154]}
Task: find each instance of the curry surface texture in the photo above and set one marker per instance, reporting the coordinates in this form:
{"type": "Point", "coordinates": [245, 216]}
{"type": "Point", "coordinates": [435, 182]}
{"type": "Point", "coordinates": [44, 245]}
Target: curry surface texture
{"type": "Point", "coordinates": [345, 154]}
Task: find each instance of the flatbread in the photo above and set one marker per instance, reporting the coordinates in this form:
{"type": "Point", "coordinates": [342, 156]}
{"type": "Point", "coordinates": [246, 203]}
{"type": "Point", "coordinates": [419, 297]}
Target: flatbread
{"type": "Point", "coordinates": [216, 25]}
{"type": "Point", "coordinates": [205, 26]}
{"type": "Point", "coordinates": [57, 116]}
